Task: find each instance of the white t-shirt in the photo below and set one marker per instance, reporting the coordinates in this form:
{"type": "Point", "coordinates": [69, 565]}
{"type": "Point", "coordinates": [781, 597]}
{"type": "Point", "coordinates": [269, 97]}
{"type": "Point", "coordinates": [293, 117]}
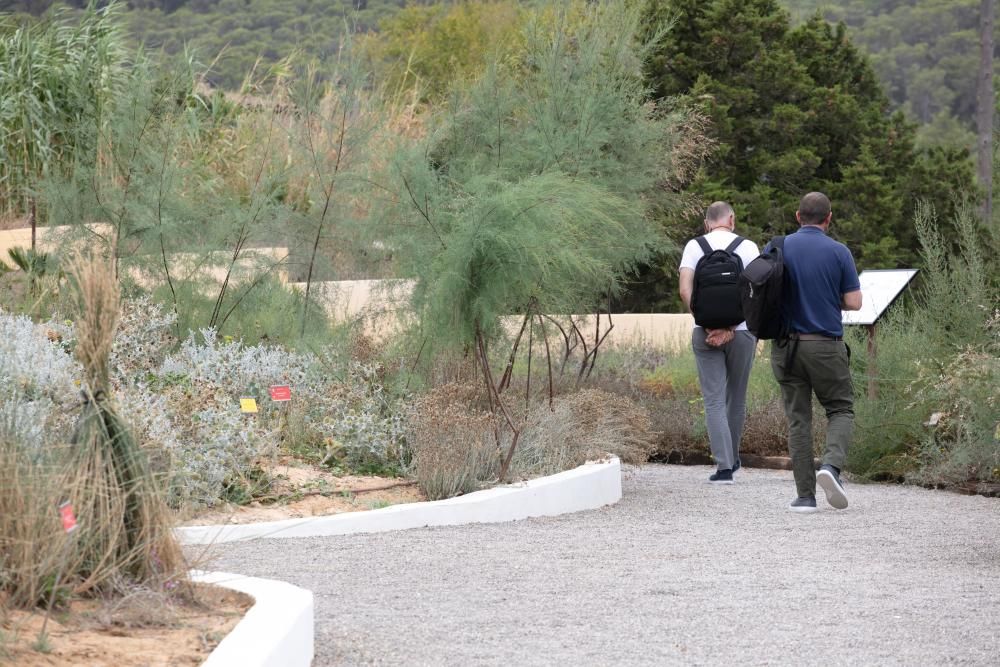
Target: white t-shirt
{"type": "Point", "coordinates": [719, 239]}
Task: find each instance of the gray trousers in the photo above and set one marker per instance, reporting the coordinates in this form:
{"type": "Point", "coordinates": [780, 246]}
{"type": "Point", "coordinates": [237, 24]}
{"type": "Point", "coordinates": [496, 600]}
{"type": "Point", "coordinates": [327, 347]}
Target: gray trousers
{"type": "Point", "coordinates": [823, 367]}
{"type": "Point", "coordinates": [723, 373]}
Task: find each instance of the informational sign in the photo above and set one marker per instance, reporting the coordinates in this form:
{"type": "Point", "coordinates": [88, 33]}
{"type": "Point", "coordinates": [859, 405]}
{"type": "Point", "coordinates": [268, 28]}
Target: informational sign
{"type": "Point", "coordinates": [281, 392]}
{"type": "Point", "coordinates": [248, 405]}
{"type": "Point", "coordinates": [67, 517]}
{"type": "Point", "coordinates": [879, 289]}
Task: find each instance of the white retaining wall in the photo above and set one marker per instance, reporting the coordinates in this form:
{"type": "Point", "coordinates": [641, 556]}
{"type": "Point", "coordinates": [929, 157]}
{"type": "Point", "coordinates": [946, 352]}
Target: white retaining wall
{"type": "Point", "coordinates": [589, 486]}
{"type": "Point", "coordinates": [277, 631]}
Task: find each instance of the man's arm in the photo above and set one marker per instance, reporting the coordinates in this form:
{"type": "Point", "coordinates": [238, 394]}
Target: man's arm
{"type": "Point", "coordinates": [851, 300]}
{"type": "Point", "coordinates": [687, 287]}
{"type": "Point", "coordinates": [850, 287]}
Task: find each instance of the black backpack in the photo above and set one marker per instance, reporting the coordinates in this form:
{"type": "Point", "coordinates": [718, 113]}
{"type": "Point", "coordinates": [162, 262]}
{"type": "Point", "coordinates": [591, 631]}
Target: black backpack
{"type": "Point", "coordinates": [715, 300]}
{"type": "Point", "coordinates": [762, 286]}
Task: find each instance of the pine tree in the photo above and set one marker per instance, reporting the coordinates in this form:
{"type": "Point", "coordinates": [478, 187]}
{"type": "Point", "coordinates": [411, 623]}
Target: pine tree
{"type": "Point", "coordinates": [794, 110]}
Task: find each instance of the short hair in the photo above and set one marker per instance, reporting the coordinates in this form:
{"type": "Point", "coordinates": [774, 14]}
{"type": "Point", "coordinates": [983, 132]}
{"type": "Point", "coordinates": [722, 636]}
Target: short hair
{"type": "Point", "coordinates": [718, 211]}
{"type": "Point", "coordinates": [814, 208]}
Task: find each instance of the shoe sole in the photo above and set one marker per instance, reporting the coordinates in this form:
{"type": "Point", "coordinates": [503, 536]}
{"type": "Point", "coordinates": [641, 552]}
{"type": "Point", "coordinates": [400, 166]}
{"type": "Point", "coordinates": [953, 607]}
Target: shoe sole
{"type": "Point", "coordinates": [803, 510]}
{"type": "Point", "coordinates": [834, 492]}
{"type": "Point", "coordinates": [727, 482]}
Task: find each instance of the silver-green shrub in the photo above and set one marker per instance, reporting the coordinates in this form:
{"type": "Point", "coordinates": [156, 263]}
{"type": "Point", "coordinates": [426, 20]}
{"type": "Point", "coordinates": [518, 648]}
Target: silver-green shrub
{"type": "Point", "coordinates": [39, 381]}
{"type": "Point", "coordinates": [184, 405]}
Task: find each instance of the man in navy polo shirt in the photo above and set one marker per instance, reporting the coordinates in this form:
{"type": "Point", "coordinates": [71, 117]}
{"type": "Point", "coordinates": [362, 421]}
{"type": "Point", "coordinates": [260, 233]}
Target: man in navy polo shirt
{"type": "Point", "coordinates": [821, 281]}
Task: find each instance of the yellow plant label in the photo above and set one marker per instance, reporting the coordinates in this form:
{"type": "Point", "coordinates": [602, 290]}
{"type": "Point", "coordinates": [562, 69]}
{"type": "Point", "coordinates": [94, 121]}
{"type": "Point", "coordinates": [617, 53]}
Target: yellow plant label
{"type": "Point", "coordinates": [248, 405]}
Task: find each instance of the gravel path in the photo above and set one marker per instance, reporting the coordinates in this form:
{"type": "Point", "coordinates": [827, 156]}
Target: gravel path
{"type": "Point", "coordinates": [678, 572]}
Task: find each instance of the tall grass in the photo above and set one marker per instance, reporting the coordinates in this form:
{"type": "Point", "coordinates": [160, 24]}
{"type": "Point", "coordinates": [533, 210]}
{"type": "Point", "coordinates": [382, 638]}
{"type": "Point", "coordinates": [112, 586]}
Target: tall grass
{"type": "Point", "coordinates": [57, 76]}
{"type": "Point", "coordinates": [33, 482]}
{"type": "Point", "coordinates": [186, 184]}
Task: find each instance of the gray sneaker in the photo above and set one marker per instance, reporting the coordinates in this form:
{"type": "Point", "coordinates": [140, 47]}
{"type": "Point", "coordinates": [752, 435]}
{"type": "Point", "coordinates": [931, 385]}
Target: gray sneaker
{"type": "Point", "coordinates": [803, 504]}
{"type": "Point", "coordinates": [829, 480]}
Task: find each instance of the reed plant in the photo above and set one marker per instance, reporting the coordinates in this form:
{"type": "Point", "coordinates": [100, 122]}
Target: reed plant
{"type": "Point", "coordinates": [57, 76]}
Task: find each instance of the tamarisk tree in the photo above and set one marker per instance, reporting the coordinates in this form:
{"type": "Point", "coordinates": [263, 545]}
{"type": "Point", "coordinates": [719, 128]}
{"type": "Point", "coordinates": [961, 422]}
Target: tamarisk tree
{"type": "Point", "coordinates": [532, 191]}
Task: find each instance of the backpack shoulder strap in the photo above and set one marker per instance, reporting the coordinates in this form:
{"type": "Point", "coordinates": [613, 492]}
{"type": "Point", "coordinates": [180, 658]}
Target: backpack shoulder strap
{"type": "Point", "coordinates": [703, 242]}
{"type": "Point", "coordinates": [731, 248]}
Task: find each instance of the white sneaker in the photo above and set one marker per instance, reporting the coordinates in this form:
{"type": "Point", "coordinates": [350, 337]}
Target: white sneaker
{"type": "Point", "coordinates": [829, 481]}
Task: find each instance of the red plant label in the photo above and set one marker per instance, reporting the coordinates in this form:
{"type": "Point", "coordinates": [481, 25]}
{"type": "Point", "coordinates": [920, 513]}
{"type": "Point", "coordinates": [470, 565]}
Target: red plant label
{"type": "Point", "coordinates": [68, 519]}
{"type": "Point", "coordinates": [281, 392]}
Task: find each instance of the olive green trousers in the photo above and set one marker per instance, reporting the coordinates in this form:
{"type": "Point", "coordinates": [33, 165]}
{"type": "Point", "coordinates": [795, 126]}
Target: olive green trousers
{"type": "Point", "coordinates": [822, 367]}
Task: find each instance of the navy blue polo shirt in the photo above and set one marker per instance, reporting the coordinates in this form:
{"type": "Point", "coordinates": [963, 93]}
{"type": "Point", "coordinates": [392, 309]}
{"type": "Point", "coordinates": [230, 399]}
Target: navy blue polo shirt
{"type": "Point", "coordinates": [820, 271]}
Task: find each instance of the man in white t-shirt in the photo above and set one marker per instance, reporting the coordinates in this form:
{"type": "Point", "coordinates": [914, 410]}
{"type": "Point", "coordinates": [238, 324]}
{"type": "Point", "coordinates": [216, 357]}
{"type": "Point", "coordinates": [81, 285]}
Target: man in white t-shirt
{"type": "Point", "coordinates": [723, 356]}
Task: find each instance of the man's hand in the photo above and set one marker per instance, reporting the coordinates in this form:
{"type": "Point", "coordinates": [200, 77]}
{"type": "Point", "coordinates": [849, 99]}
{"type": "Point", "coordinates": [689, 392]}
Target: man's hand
{"type": "Point", "coordinates": [718, 337]}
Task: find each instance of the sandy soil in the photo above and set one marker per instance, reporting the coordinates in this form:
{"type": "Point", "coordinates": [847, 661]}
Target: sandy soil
{"type": "Point", "coordinates": [139, 629]}
{"type": "Point", "coordinates": [301, 491]}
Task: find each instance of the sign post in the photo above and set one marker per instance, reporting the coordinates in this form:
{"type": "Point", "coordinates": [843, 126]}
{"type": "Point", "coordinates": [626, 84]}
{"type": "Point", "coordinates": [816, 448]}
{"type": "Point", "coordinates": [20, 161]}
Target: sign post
{"type": "Point", "coordinates": [872, 362]}
{"type": "Point", "coordinates": [879, 290]}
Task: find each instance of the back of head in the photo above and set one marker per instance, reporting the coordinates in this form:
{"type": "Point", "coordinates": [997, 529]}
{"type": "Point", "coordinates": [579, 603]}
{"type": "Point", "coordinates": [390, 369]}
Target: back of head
{"type": "Point", "coordinates": [718, 214]}
{"type": "Point", "coordinates": [814, 208]}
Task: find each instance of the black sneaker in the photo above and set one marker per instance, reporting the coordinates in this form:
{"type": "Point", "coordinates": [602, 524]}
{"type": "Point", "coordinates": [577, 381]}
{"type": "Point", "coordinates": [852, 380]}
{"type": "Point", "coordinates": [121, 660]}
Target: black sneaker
{"type": "Point", "coordinates": [737, 465]}
{"type": "Point", "coordinates": [829, 479]}
{"type": "Point", "coordinates": [803, 504]}
{"type": "Point", "coordinates": [721, 477]}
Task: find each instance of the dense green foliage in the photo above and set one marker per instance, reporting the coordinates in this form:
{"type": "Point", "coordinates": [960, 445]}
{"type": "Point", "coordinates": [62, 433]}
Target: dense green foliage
{"type": "Point", "coordinates": [795, 109]}
{"type": "Point", "coordinates": [925, 52]}
{"type": "Point", "coordinates": [938, 368]}
{"type": "Point", "coordinates": [536, 184]}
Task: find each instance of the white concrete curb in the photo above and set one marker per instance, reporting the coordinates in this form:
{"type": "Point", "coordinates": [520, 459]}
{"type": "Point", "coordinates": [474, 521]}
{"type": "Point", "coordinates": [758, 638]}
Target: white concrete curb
{"type": "Point", "coordinates": [277, 631]}
{"type": "Point", "coordinates": [589, 486]}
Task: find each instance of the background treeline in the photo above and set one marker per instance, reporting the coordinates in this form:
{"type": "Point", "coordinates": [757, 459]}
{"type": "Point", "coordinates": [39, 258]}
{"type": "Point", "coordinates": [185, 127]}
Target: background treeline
{"type": "Point", "coordinates": [924, 52]}
{"type": "Point", "coordinates": [235, 34]}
